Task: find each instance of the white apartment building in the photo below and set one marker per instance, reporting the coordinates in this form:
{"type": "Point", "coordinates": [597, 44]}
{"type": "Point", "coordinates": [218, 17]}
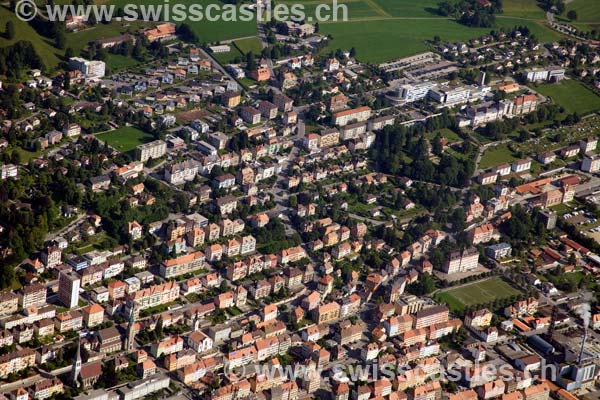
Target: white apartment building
{"type": "Point", "coordinates": [154, 150]}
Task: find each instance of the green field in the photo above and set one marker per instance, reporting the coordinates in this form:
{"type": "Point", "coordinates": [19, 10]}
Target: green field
{"type": "Point", "coordinates": [572, 95]}
{"type": "Point", "coordinates": [476, 293]}
{"type": "Point", "coordinates": [228, 58]}
{"type": "Point", "coordinates": [446, 133]}
{"type": "Point", "coordinates": [588, 12]}
{"type": "Point", "coordinates": [23, 31]}
{"type": "Point", "coordinates": [116, 62]}
{"type": "Point", "coordinates": [207, 31]}
{"type": "Point", "coordinates": [78, 40]}
{"type": "Point", "coordinates": [253, 44]}
{"type": "Point", "coordinates": [414, 9]}
{"type": "Point", "coordinates": [497, 155]}
{"type": "Point", "coordinates": [387, 39]}
{"type": "Point", "coordinates": [536, 27]}
{"type": "Point", "coordinates": [400, 28]}
{"type": "Point", "coordinates": [125, 139]}
{"type": "Point", "coordinates": [357, 9]}
{"type": "Point", "coordinates": [523, 9]}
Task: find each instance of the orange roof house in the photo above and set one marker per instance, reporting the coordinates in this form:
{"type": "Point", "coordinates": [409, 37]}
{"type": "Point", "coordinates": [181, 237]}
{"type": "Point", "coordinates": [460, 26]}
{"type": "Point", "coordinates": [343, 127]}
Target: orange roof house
{"type": "Point", "coordinates": [160, 32]}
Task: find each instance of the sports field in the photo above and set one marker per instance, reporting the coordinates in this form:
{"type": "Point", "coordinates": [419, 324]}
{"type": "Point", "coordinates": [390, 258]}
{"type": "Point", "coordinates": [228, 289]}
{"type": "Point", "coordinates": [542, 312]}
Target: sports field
{"type": "Point", "coordinates": [572, 95]}
{"type": "Point", "coordinates": [125, 139]}
{"type": "Point", "coordinates": [476, 293]}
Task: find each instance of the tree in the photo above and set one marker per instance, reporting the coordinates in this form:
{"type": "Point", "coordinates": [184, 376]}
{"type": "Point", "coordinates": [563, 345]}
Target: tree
{"type": "Point", "coordinates": [250, 61]}
{"type": "Point", "coordinates": [9, 32]}
{"type": "Point", "coordinates": [15, 157]}
{"type": "Point", "coordinates": [61, 40]}
{"type": "Point", "coordinates": [352, 52]}
{"type": "Point", "coordinates": [572, 15]}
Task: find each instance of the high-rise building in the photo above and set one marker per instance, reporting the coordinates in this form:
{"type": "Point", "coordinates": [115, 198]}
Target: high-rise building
{"type": "Point", "coordinates": [154, 150]}
{"type": "Point", "coordinates": [69, 283]}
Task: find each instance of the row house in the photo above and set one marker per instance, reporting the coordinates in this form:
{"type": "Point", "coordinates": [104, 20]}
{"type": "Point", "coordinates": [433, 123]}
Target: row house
{"type": "Point", "coordinates": [33, 295]}
{"type": "Point", "coordinates": [182, 265]}
{"type": "Point", "coordinates": [9, 303]}
{"type": "Point", "coordinates": [260, 289]}
{"type": "Point", "coordinates": [155, 295]}
{"type": "Point", "coordinates": [46, 388]}
{"type": "Point", "coordinates": [16, 361]}
{"type": "Point", "coordinates": [167, 346]}
{"type": "Point", "coordinates": [226, 205]}
{"type": "Point", "coordinates": [69, 321]}
{"type": "Point", "coordinates": [231, 228]}
{"type": "Point", "coordinates": [192, 285]}
{"type": "Point", "coordinates": [179, 360]}
{"type": "Point", "coordinates": [184, 171]}
{"type": "Point", "coordinates": [292, 254]}
{"type": "Point", "coordinates": [326, 313]}
{"type": "Point", "coordinates": [194, 372]}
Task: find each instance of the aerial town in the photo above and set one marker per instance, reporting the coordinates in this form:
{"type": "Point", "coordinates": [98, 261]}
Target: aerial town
{"type": "Point", "coordinates": [293, 223]}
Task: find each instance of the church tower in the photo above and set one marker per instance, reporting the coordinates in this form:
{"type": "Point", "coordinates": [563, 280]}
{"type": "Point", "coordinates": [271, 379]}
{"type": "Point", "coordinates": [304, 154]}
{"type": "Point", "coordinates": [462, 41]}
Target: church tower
{"type": "Point", "coordinates": [131, 329]}
{"type": "Point", "coordinates": [76, 367]}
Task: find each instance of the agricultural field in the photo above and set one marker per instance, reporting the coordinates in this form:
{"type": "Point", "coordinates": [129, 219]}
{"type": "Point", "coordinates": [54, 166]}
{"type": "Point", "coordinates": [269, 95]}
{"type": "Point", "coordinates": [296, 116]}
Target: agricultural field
{"type": "Point", "coordinates": [523, 9]}
{"type": "Point", "coordinates": [125, 139]}
{"type": "Point", "coordinates": [476, 293]}
{"type": "Point", "coordinates": [386, 39]}
{"type": "Point", "coordinates": [414, 24]}
{"type": "Point", "coordinates": [357, 9]}
{"type": "Point", "coordinates": [572, 95]}
{"type": "Point", "coordinates": [588, 12]}
{"type": "Point", "coordinates": [413, 9]}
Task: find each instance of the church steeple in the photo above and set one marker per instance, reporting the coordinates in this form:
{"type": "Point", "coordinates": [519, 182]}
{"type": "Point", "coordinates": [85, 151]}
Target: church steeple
{"type": "Point", "coordinates": [196, 322]}
{"type": "Point", "coordinates": [76, 367]}
{"type": "Point", "coordinates": [131, 329]}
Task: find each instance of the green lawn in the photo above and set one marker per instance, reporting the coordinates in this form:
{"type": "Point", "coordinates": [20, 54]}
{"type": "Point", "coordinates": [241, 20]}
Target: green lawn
{"type": "Point", "coordinates": [387, 39]}
{"type": "Point", "coordinates": [125, 139]}
{"type": "Point", "coordinates": [23, 31]}
{"type": "Point", "coordinates": [572, 95]}
{"type": "Point", "coordinates": [588, 11]}
{"type": "Point", "coordinates": [357, 9]}
{"type": "Point", "coordinates": [523, 9]}
{"type": "Point", "coordinates": [229, 57]}
{"type": "Point", "coordinates": [408, 8]}
{"type": "Point", "coordinates": [117, 62]}
{"type": "Point", "coordinates": [495, 156]}
{"type": "Point", "coordinates": [249, 45]}
{"type": "Point", "coordinates": [207, 31]}
{"type": "Point", "coordinates": [536, 27]}
{"type": "Point", "coordinates": [78, 40]}
{"type": "Point", "coordinates": [446, 133]}
{"type": "Point", "coordinates": [476, 293]}
{"type": "Point", "coordinates": [238, 49]}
